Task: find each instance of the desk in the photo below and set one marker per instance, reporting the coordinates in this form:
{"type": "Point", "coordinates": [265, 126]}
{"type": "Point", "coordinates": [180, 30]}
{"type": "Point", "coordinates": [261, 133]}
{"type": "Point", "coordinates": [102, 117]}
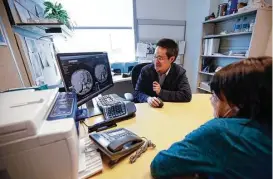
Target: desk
{"type": "Point", "coordinates": [163, 126]}
{"type": "Point", "coordinates": [118, 78]}
{"type": "Point", "coordinates": [121, 86]}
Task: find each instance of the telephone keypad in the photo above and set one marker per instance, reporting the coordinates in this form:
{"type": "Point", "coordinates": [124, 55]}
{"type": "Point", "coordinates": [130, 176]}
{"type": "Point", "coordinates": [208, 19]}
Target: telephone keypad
{"type": "Point", "coordinates": [116, 134]}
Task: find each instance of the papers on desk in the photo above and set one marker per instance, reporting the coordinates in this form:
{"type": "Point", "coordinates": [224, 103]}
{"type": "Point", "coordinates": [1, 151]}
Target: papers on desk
{"type": "Point", "coordinates": [90, 161]}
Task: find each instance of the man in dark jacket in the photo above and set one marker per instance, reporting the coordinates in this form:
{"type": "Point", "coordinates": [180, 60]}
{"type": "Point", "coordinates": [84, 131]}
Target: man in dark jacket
{"type": "Point", "coordinates": [163, 78]}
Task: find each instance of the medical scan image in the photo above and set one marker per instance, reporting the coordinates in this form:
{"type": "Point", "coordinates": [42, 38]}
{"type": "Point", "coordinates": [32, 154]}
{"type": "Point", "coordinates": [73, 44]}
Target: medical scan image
{"type": "Point", "coordinates": [82, 81]}
{"type": "Point", "coordinates": [101, 73]}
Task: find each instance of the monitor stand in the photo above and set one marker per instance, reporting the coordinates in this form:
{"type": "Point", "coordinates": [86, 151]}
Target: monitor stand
{"type": "Point", "coordinates": [93, 109]}
{"type": "Point", "coordinates": [87, 110]}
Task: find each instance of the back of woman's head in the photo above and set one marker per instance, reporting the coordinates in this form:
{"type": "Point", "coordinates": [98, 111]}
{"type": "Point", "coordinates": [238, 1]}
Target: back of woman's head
{"type": "Point", "coordinates": [247, 84]}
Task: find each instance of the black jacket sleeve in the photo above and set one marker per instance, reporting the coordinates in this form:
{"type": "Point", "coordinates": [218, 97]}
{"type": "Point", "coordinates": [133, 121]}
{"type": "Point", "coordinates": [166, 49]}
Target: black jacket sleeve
{"type": "Point", "coordinates": [182, 94]}
{"type": "Point", "coordinates": [139, 95]}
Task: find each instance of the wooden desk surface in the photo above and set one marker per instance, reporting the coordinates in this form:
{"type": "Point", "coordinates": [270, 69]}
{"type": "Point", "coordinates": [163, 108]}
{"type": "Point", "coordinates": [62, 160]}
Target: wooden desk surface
{"type": "Point", "coordinates": [163, 126]}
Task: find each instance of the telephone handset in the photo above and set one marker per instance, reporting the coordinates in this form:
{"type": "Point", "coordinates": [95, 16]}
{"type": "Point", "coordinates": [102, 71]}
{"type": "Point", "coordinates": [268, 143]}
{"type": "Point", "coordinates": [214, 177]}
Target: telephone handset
{"type": "Point", "coordinates": [121, 143]}
{"type": "Point", "coordinates": [117, 143]}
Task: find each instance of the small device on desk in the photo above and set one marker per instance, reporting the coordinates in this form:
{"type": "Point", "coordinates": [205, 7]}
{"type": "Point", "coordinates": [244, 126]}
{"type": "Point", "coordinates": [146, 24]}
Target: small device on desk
{"type": "Point", "coordinates": [161, 104]}
{"type": "Point", "coordinates": [117, 143]}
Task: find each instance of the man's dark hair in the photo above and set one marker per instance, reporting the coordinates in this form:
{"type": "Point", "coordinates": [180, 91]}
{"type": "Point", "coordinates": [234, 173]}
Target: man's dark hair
{"type": "Point", "coordinates": [170, 45]}
{"type": "Point", "coordinates": [248, 85]}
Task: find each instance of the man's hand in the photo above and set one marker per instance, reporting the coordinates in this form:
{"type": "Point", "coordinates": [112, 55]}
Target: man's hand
{"type": "Point", "coordinates": [156, 87]}
{"type": "Point", "coordinates": [153, 101]}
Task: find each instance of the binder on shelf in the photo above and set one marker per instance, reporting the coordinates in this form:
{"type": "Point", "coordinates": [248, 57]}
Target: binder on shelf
{"type": "Point", "coordinates": [211, 46]}
{"type": "Point", "coordinates": [206, 47]}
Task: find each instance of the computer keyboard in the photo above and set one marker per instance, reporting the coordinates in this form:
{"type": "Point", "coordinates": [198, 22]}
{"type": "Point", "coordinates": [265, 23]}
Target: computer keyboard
{"type": "Point", "coordinates": [115, 107]}
{"type": "Point", "coordinates": [90, 161]}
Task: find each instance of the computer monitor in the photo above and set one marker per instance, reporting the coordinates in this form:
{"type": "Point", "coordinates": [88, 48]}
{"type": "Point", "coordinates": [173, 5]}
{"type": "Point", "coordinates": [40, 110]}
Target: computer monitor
{"type": "Point", "coordinates": [87, 73]}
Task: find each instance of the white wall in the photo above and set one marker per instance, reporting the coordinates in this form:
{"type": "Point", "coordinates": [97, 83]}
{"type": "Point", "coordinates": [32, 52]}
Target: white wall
{"type": "Point", "coordinates": [268, 51]}
{"type": "Point", "coordinates": [196, 13]}
{"type": "Point", "coordinates": [214, 6]}
{"type": "Point", "coordinates": [161, 9]}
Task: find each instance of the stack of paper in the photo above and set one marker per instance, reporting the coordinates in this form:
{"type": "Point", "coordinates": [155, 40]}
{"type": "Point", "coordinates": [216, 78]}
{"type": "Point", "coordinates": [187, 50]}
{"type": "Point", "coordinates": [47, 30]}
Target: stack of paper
{"type": "Point", "coordinates": [211, 46]}
{"type": "Point", "coordinates": [90, 161]}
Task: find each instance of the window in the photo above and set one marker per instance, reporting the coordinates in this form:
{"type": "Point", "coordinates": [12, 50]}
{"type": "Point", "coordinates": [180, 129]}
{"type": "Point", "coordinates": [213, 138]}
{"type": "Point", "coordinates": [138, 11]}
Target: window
{"type": "Point", "coordinates": [103, 25]}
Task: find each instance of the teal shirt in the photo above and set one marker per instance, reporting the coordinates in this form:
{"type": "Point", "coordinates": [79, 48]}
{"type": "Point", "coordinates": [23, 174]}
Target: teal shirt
{"type": "Point", "coordinates": [221, 148]}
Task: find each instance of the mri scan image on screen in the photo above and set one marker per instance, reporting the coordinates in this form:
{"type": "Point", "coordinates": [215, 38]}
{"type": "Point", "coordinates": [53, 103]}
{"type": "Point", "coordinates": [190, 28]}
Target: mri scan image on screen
{"type": "Point", "coordinates": [101, 73]}
{"type": "Point", "coordinates": [82, 81]}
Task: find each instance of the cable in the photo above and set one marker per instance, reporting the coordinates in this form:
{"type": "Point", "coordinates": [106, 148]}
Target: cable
{"type": "Point", "coordinates": [83, 127]}
{"type": "Point", "coordinates": [141, 150]}
{"type": "Point", "coordinates": [85, 124]}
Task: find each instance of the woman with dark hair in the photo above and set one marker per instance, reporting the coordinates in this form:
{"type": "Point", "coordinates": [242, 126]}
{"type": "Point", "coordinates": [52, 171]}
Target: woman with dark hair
{"type": "Point", "coordinates": [237, 143]}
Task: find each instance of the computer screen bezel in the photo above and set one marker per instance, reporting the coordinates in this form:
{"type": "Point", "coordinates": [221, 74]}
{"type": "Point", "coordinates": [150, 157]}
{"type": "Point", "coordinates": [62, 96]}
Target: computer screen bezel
{"type": "Point", "coordinates": [90, 97]}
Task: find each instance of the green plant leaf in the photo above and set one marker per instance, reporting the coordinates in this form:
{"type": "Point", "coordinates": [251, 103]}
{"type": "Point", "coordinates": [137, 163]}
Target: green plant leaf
{"type": "Point", "coordinates": [56, 11]}
{"type": "Point", "coordinates": [48, 4]}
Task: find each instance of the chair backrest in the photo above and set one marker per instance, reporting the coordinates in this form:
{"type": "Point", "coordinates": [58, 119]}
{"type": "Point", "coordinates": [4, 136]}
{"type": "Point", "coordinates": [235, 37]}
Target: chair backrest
{"type": "Point", "coordinates": [136, 71]}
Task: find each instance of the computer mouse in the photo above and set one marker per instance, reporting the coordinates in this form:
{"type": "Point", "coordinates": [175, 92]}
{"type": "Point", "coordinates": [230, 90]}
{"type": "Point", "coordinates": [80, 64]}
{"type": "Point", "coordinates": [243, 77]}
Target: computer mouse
{"type": "Point", "coordinates": [161, 104]}
{"type": "Point", "coordinates": [129, 96]}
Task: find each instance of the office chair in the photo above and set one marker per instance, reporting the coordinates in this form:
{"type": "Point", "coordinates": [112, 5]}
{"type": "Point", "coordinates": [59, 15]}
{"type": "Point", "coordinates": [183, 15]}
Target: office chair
{"type": "Point", "coordinates": [135, 73]}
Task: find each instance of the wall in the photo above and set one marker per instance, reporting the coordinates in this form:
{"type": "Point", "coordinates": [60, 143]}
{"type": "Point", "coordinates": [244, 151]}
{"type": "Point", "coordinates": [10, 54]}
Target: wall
{"type": "Point", "coordinates": [268, 51]}
{"type": "Point", "coordinates": [214, 6]}
{"type": "Point", "coordinates": [195, 14]}
{"type": "Point", "coordinates": [8, 73]}
{"type": "Point", "coordinates": [161, 9]}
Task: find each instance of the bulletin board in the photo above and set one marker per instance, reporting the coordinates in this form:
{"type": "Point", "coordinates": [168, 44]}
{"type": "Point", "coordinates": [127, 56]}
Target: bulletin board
{"type": "Point", "coordinates": [39, 59]}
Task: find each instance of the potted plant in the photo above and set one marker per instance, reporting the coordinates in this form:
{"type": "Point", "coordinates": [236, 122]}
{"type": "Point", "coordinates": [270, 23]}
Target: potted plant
{"type": "Point", "coordinates": [56, 11]}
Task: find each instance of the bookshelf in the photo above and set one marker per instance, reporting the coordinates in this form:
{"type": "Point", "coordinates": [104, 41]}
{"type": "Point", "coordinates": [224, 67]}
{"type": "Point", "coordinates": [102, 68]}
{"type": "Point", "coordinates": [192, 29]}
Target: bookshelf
{"type": "Point", "coordinates": [226, 35]}
{"type": "Point", "coordinates": [233, 46]}
{"type": "Point", "coordinates": [224, 56]}
{"type": "Point", "coordinates": [205, 73]}
{"type": "Point", "coordinates": [232, 16]}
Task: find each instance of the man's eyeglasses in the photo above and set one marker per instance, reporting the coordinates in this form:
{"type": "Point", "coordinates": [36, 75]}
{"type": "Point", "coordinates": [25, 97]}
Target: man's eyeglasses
{"type": "Point", "coordinates": [160, 58]}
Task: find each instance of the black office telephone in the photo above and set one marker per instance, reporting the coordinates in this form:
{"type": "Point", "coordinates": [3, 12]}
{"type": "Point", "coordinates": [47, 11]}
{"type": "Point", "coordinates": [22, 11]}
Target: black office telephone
{"type": "Point", "coordinates": [117, 143]}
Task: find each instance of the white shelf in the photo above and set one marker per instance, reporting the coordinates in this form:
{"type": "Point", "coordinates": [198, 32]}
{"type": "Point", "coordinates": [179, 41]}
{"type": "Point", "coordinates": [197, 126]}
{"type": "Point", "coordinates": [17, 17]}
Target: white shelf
{"type": "Point", "coordinates": [205, 73]}
{"type": "Point", "coordinates": [223, 18]}
{"type": "Point", "coordinates": [204, 89]}
{"type": "Point", "coordinates": [46, 28]}
{"type": "Point", "coordinates": [227, 35]}
{"type": "Point", "coordinates": [224, 56]}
